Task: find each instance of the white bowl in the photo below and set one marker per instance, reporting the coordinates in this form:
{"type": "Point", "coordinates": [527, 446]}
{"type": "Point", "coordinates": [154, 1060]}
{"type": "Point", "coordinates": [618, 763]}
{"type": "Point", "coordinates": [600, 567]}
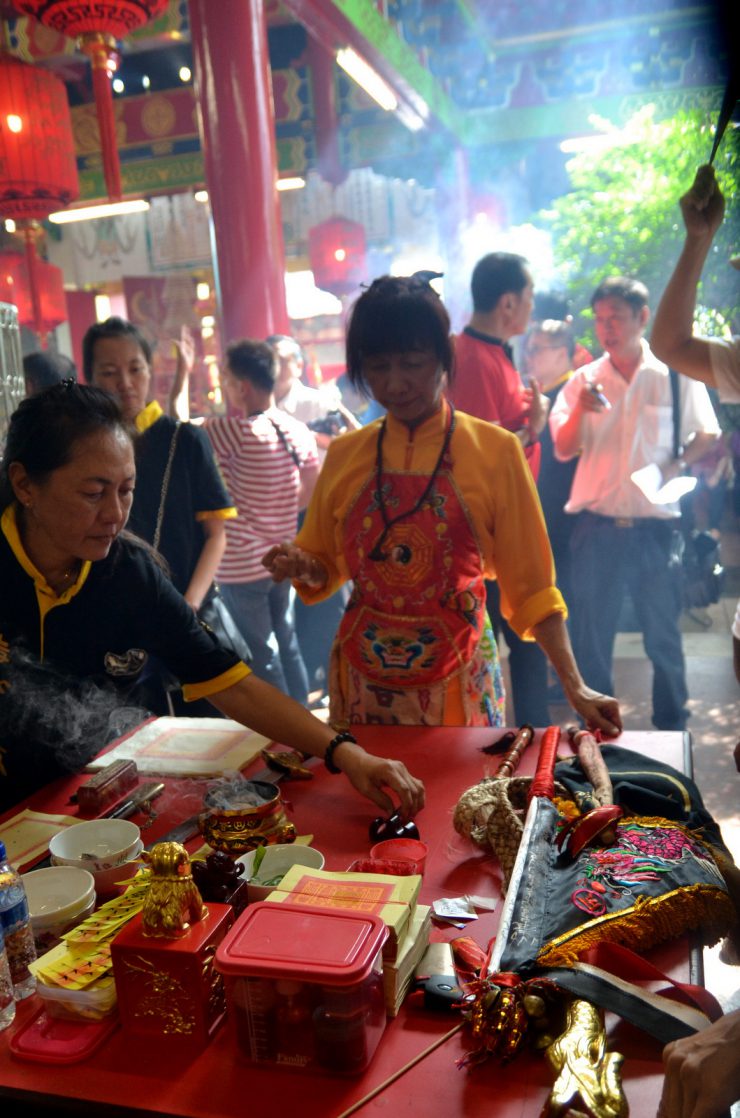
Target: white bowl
{"type": "Point", "coordinates": [113, 881]}
{"type": "Point", "coordinates": [99, 844]}
{"type": "Point", "coordinates": [58, 898]}
{"type": "Point", "coordinates": [277, 860]}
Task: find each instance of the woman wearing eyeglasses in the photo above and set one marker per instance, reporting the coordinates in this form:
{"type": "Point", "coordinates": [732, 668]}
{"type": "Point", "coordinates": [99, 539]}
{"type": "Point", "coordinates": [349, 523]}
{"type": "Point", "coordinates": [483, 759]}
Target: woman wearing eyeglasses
{"type": "Point", "coordinates": [417, 509]}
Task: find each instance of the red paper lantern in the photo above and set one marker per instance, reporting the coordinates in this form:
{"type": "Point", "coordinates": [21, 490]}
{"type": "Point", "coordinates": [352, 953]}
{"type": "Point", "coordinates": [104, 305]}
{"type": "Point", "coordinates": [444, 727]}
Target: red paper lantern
{"type": "Point", "coordinates": [38, 170]}
{"type": "Point", "coordinates": [84, 17]}
{"type": "Point", "coordinates": [337, 255]}
{"type": "Point", "coordinates": [15, 288]}
{"type": "Point", "coordinates": [96, 26]}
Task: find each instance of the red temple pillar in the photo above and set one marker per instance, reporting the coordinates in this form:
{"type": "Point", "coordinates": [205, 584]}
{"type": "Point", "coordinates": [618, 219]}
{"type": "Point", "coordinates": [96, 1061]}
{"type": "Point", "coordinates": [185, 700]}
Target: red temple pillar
{"type": "Point", "coordinates": [237, 126]}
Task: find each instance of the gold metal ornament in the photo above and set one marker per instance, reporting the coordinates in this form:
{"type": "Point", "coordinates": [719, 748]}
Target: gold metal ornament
{"type": "Point", "coordinates": [172, 902]}
{"type": "Point", "coordinates": [588, 1078]}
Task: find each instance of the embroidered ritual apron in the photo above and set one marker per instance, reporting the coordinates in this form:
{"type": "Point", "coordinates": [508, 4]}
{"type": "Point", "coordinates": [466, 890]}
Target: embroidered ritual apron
{"type": "Point", "coordinates": [415, 645]}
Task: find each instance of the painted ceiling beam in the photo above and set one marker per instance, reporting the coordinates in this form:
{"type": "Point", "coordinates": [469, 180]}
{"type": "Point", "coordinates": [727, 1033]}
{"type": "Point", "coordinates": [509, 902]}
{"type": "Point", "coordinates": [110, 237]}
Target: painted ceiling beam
{"type": "Point", "coordinates": [359, 24]}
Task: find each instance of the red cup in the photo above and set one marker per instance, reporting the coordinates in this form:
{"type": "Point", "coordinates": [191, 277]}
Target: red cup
{"type": "Point", "coordinates": [402, 850]}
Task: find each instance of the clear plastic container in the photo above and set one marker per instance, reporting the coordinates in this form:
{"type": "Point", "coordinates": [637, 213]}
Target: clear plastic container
{"type": "Point", "coordinates": [92, 1003]}
{"type": "Point", "coordinates": [7, 997]}
{"type": "Point", "coordinates": [304, 986]}
{"type": "Point", "coordinates": [17, 931]}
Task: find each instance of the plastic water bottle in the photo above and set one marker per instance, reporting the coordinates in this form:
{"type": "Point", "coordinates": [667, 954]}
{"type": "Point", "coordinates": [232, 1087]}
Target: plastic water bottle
{"type": "Point", "coordinates": [16, 925]}
{"type": "Point", "coordinates": [7, 998]}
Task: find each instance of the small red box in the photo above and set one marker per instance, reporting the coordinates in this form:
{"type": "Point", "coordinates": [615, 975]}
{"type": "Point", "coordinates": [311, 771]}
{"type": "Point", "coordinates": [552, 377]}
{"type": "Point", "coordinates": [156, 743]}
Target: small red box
{"type": "Point", "coordinates": [305, 986]}
{"type": "Point", "coordinates": [169, 988]}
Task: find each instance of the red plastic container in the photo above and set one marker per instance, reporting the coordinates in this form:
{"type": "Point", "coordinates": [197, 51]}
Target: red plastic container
{"type": "Point", "coordinates": [402, 850]}
{"type": "Point", "coordinates": [51, 1041]}
{"type": "Point", "coordinates": [304, 986]}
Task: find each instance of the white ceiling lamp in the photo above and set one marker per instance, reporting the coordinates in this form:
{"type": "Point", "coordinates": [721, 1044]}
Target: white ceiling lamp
{"type": "Point", "coordinates": [201, 196]}
{"type": "Point", "coordinates": [294, 182]}
{"type": "Point", "coordinates": [414, 116]}
{"type": "Point", "coordinates": [102, 308]}
{"type": "Point", "coordinates": [107, 209]}
{"type": "Point", "coordinates": [367, 78]}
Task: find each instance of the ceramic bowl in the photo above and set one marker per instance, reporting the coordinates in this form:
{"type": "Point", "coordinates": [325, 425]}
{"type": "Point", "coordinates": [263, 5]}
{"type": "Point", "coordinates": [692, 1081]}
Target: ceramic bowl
{"type": "Point", "coordinates": [277, 861]}
{"type": "Point", "coordinates": [402, 850]}
{"type": "Point", "coordinates": [244, 816]}
{"type": "Point", "coordinates": [58, 899]}
{"type": "Point", "coordinates": [99, 844]}
{"type": "Point", "coordinates": [110, 883]}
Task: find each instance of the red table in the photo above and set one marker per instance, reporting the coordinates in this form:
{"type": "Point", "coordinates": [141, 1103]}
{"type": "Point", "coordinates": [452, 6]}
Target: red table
{"type": "Point", "coordinates": [129, 1079]}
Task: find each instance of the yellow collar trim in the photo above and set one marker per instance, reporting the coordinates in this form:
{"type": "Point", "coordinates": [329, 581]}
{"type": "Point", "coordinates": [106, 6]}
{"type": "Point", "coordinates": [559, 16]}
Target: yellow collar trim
{"type": "Point", "coordinates": [9, 525]}
{"type": "Point", "coordinates": [435, 423]}
{"type": "Point", "coordinates": [148, 416]}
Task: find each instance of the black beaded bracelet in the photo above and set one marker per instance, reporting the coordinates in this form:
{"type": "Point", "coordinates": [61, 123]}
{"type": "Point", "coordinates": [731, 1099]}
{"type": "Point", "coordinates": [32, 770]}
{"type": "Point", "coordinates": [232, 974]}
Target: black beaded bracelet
{"type": "Point", "coordinates": [334, 744]}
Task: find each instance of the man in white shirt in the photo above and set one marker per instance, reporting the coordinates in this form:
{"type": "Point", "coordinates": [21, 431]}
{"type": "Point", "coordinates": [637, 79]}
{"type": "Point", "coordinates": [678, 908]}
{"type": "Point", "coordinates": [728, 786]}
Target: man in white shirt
{"type": "Point", "coordinates": [715, 361]}
{"type": "Point", "coordinates": [616, 414]}
{"type": "Point", "coordinates": [315, 407]}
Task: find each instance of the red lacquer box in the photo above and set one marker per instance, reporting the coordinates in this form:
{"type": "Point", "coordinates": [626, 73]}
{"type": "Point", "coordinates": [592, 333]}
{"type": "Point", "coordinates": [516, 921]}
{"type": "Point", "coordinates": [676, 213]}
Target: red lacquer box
{"type": "Point", "coordinates": [168, 988]}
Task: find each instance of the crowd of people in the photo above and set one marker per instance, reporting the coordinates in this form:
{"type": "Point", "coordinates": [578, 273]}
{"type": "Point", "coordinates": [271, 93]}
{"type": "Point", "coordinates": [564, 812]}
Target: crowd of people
{"type": "Point", "coordinates": [478, 505]}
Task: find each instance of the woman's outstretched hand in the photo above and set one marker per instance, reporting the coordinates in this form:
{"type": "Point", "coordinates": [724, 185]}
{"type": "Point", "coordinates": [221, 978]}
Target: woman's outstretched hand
{"type": "Point", "coordinates": [375, 777]}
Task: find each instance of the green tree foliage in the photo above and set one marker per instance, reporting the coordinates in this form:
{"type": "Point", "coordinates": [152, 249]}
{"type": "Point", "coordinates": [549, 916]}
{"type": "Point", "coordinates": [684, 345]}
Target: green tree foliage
{"type": "Point", "coordinates": [622, 216]}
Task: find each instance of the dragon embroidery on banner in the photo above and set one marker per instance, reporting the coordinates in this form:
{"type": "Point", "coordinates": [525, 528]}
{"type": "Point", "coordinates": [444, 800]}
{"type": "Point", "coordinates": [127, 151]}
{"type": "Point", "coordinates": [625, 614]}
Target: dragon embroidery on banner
{"type": "Point", "coordinates": [641, 855]}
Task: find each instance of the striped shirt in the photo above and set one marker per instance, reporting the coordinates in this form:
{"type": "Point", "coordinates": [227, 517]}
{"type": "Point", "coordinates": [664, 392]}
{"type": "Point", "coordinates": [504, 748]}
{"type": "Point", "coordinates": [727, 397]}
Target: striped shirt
{"type": "Point", "coordinates": [262, 471]}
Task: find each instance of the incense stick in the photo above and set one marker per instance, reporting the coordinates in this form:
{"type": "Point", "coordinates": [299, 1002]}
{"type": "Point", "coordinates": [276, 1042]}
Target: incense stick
{"type": "Point", "coordinates": [728, 104]}
{"type": "Point", "coordinates": [401, 1071]}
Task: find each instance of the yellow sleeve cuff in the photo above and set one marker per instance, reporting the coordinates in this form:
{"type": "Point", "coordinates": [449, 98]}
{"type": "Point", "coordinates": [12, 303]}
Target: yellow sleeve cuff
{"type": "Point", "coordinates": [217, 514]}
{"type": "Point", "coordinates": [309, 595]}
{"type": "Point", "coordinates": [208, 687]}
{"type": "Point", "coordinates": [535, 609]}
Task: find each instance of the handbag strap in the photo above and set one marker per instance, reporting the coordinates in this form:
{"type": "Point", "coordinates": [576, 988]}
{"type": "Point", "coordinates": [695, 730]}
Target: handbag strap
{"type": "Point", "coordinates": [287, 444]}
{"type": "Point", "coordinates": [676, 405]}
{"type": "Point", "coordinates": [165, 486]}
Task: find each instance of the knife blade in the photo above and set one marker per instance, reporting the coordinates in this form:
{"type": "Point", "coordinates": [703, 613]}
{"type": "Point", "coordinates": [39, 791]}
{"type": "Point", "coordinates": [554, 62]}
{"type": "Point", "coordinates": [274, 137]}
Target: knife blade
{"type": "Point", "coordinates": [179, 833]}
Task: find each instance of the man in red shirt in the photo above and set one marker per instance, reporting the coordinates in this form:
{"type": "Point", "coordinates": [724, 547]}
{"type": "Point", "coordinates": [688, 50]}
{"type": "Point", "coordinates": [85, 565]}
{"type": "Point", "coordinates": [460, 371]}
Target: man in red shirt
{"type": "Point", "coordinates": [487, 385]}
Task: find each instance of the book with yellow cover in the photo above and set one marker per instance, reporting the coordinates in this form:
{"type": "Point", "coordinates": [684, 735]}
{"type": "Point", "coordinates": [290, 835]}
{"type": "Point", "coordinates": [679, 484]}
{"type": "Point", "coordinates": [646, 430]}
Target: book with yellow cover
{"type": "Point", "coordinates": [391, 898]}
{"type": "Point", "coordinates": [398, 975]}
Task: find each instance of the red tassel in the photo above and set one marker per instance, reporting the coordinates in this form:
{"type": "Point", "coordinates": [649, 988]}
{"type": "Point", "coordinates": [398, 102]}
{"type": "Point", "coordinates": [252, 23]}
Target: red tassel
{"type": "Point", "coordinates": [33, 283]}
{"type": "Point", "coordinates": [103, 59]}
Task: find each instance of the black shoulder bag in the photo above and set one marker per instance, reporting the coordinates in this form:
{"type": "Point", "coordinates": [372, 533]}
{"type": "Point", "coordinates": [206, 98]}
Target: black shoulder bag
{"type": "Point", "coordinates": [213, 614]}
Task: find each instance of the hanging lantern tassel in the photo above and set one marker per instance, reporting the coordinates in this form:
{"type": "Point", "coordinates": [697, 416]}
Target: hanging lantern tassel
{"type": "Point", "coordinates": [31, 231]}
{"type": "Point", "coordinates": [101, 50]}
{"type": "Point", "coordinates": [16, 269]}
